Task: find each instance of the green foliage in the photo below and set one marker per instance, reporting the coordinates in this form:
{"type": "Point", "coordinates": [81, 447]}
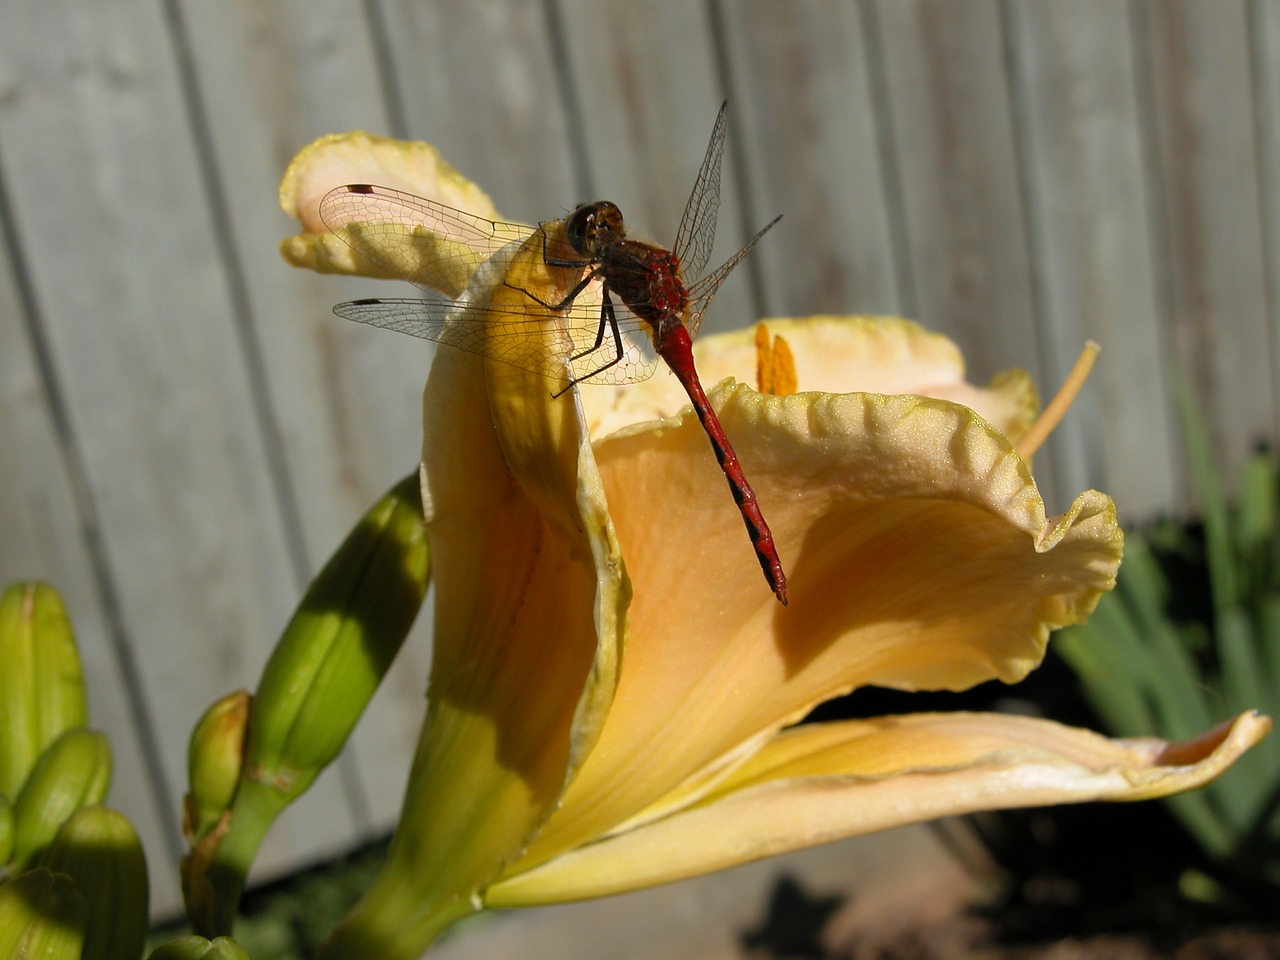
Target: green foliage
{"type": "Point", "coordinates": [1190, 636]}
{"type": "Point", "coordinates": [73, 880]}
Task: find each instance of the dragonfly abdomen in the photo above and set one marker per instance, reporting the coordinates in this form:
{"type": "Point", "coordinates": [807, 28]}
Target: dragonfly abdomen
{"type": "Point", "coordinates": [675, 347]}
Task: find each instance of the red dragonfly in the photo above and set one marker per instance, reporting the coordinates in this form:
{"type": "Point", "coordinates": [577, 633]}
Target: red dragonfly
{"type": "Point", "coordinates": [602, 342]}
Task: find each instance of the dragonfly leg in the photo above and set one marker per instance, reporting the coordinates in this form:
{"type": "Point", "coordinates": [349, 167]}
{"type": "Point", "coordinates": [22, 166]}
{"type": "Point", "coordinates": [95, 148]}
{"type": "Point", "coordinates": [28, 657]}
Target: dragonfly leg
{"type": "Point", "coordinates": [557, 261]}
{"type": "Point", "coordinates": [567, 301]}
{"type": "Point", "coordinates": [608, 320]}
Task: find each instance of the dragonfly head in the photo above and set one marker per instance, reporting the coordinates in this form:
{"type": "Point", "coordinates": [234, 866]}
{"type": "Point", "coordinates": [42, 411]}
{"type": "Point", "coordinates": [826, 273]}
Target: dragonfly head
{"type": "Point", "coordinates": [595, 227]}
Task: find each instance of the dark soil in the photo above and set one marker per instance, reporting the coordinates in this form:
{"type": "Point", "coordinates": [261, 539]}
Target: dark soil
{"type": "Point", "coordinates": [974, 938]}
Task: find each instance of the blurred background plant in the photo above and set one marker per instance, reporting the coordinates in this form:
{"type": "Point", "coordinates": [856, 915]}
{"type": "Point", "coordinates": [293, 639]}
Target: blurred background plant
{"type": "Point", "coordinates": [1190, 634]}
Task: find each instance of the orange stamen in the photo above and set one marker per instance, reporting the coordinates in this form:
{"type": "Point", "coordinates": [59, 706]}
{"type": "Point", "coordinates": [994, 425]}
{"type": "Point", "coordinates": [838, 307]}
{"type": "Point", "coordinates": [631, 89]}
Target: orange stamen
{"type": "Point", "coordinates": [775, 365]}
{"type": "Point", "coordinates": [1034, 438]}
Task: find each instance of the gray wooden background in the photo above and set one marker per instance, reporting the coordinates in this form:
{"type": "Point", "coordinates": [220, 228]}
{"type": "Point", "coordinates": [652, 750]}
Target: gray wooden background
{"type": "Point", "coordinates": [186, 431]}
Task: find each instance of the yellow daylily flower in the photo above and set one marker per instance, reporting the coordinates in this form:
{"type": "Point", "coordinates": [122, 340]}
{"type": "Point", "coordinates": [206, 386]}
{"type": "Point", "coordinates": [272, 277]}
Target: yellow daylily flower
{"type": "Point", "coordinates": [613, 691]}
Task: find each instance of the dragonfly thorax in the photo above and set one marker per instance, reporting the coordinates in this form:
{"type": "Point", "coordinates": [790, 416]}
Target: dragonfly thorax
{"type": "Point", "coordinates": [647, 279]}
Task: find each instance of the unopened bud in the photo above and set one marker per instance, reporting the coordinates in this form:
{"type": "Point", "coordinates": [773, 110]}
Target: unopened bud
{"type": "Point", "coordinates": [99, 849]}
{"type": "Point", "coordinates": [74, 772]}
{"type": "Point", "coordinates": [41, 687]}
{"type": "Point", "coordinates": [41, 915]}
{"type": "Point", "coordinates": [335, 650]}
{"type": "Point", "coordinates": [215, 757]}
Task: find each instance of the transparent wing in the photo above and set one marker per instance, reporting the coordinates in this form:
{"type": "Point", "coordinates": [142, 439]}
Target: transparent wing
{"type": "Point", "coordinates": [411, 238]}
{"type": "Point", "coordinates": [700, 293]}
{"type": "Point", "coordinates": [571, 345]}
{"type": "Point", "coordinates": [415, 239]}
{"type": "Point", "coordinates": [697, 233]}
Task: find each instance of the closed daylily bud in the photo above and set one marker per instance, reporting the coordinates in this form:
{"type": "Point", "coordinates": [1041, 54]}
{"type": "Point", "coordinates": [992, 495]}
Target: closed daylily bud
{"type": "Point", "coordinates": [346, 632]}
{"type": "Point", "coordinates": [41, 915]}
{"type": "Point", "coordinates": [73, 772]}
{"type": "Point", "coordinates": [324, 670]}
{"type": "Point", "coordinates": [215, 757]}
{"type": "Point", "coordinates": [41, 688]}
{"type": "Point", "coordinates": [99, 849]}
{"type": "Point", "coordinates": [198, 948]}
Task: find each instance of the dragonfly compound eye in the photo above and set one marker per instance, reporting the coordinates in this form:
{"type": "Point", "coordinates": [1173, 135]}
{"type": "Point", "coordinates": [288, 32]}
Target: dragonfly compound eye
{"type": "Point", "coordinates": [595, 227]}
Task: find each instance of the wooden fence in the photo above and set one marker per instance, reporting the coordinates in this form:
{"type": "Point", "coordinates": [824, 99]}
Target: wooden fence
{"type": "Point", "coordinates": [186, 431]}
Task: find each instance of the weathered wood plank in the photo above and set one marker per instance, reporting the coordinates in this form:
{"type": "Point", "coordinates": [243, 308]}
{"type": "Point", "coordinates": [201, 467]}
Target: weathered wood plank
{"type": "Point", "coordinates": [954, 148]}
{"type": "Point", "coordinates": [814, 155]}
{"type": "Point", "coordinates": [481, 82]}
{"type": "Point", "coordinates": [124, 265]}
{"type": "Point", "coordinates": [1202, 103]}
{"type": "Point", "coordinates": [967, 266]}
{"type": "Point", "coordinates": [1264, 32]}
{"type": "Point", "coordinates": [649, 88]}
{"type": "Point", "coordinates": [42, 537]}
{"type": "Point", "coordinates": [1074, 93]}
{"type": "Point", "coordinates": [346, 400]}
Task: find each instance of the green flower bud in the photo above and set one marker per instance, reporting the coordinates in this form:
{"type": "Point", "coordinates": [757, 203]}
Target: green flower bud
{"type": "Point", "coordinates": [41, 915]}
{"type": "Point", "coordinates": [99, 849]}
{"type": "Point", "coordinates": [41, 687]}
{"type": "Point", "coordinates": [198, 948]}
{"type": "Point", "coordinates": [335, 650]}
{"type": "Point", "coordinates": [215, 757]}
{"type": "Point", "coordinates": [324, 670]}
{"type": "Point", "coordinates": [74, 772]}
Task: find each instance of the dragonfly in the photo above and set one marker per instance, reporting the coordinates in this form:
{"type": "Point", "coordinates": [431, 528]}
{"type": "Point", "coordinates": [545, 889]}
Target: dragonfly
{"type": "Point", "coordinates": [632, 305]}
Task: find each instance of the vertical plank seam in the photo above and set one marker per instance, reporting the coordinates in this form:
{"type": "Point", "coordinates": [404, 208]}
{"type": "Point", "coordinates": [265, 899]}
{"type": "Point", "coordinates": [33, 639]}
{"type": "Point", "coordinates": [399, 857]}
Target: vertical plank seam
{"type": "Point", "coordinates": [562, 65]}
{"type": "Point", "coordinates": [1266, 193]}
{"type": "Point", "coordinates": [383, 58]}
{"type": "Point", "coordinates": [91, 531]}
{"type": "Point", "coordinates": [737, 157]}
{"type": "Point", "coordinates": [1153, 201]}
{"type": "Point", "coordinates": [887, 150]}
{"type": "Point", "coordinates": [1068, 443]}
{"type": "Point", "coordinates": [243, 324]}
{"type": "Point", "coordinates": [1019, 124]}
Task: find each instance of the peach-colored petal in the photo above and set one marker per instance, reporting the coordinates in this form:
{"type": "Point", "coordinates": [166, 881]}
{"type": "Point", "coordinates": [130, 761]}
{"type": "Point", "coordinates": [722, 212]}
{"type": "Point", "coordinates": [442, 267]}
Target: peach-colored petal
{"type": "Point", "coordinates": [820, 783]}
{"type": "Point", "coordinates": [359, 157]}
{"type": "Point", "coordinates": [530, 589]}
{"type": "Point", "coordinates": [833, 354]}
{"type": "Point", "coordinates": [919, 557]}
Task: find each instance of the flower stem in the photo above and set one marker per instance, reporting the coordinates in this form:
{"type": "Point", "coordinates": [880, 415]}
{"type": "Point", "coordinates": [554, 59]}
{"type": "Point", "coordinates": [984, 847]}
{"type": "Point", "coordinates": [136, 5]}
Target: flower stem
{"type": "Point", "coordinates": [392, 923]}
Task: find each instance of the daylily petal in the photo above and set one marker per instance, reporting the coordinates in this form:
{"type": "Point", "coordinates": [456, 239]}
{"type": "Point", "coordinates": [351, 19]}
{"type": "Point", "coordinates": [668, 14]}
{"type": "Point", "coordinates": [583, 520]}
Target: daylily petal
{"type": "Point", "coordinates": [919, 556]}
{"type": "Point", "coordinates": [833, 354]}
{"type": "Point", "coordinates": [815, 784]}
{"type": "Point", "coordinates": [359, 157]}
{"type": "Point", "coordinates": [530, 589]}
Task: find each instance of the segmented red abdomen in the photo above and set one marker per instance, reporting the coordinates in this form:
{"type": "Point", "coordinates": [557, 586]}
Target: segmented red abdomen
{"type": "Point", "coordinates": [673, 345]}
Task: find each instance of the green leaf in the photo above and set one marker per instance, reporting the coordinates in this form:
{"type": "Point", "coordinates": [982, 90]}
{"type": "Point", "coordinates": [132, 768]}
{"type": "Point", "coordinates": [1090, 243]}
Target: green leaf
{"type": "Point", "coordinates": [1213, 503]}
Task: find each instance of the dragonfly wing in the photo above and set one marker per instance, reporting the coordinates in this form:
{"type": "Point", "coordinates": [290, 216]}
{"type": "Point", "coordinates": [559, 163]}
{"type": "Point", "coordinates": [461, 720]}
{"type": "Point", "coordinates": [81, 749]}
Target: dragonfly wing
{"type": "Point", "coordinates": [428, 319]}
{"type": "Point", "coordinates": [700, 293]}
{"type": "Point", "coordinates": [596, 355]}
{"type": "Point", "coordinates": [697, 233]}
{"type": "Point", "coordinates": [440, 249]}
{"type": "Point", "coordinates": [557, 346]}
{"type": "Point", "coordinates": [413, 238]}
